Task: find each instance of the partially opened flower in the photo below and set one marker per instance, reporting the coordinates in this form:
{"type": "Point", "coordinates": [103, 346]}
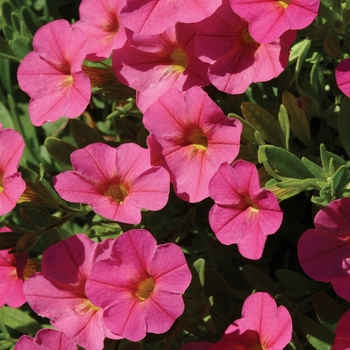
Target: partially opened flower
{"type": "Point", "coordinates": [236, 59]}
{"type": "Point", "coordinates": [140, 288]}
{"type": "Point", "coordinates": [52, 74]}
{"type": "Point", "coordinates": [263, 326]}
{"type": "Point", "coordinates": [46, 339]}
{"type": "Point", "coordinates": [342, 334]}
{"type": "Point", "coordinates": [152, 64]}
{"type": "Point", "coordinates": [116, 182]}
{"type": "Point", "coordinates": [192, 140]}
{"type": "Point", "coordinates": [11, 183]}
{"type": "Point", "coordinates": [58, 291]}
{"type": "Point", "coordinates": [155, 16]}
{"type": "Point", "coordinates": [99, 20]}
{"type": "Point", "coordinates": [243, 213]}
{"type": "Point", "coordinates": [342, 76]}
{"type": "Point", "coordinates": [269, 19]}
{"type": "Point", "coordinates": [11, 276]}
{"type": "Point", "coordinates": [328, 245]}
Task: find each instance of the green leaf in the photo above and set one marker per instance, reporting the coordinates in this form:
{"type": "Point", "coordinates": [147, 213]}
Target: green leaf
{"type": "Point", "coordinates": [16, 22]}
{"type": "Point", "coordinates": [19, 320]}
{"type": "Point", "coordinates": [298, 53]}
{"type": "Point", "coordinates": [30, 19]}
{"type": "Point", "coordinates": [297, 281]}
{"type": "Point", "coordinates": [339, 180]}
{"type": "Point", "coordinates": [84, 135]}
{"type": "Point", "coordinates": [262, 121]}
{"type": "Point", "coordinates": [316, 170]}
{"type": "Point", "coordinates": [199, 265]}
{"type": "Point", "coordinates": [21, 46]}
{"type": "Point", "coordinates": [284, 126]}
{"type": "Point", "coordinates": [6, 119]}
{"type": "Point", "coordinates": [317, 79]}
{"type": "Point", "coordinates": [60, 151]}
{"type": "Point", "coordinates": [259, 280]}
{"type": "Point", "coordinates": [9, 34]}
{"type": "Point", "coordinates": [316, 335]}
{"type": "Point", "coordinates": [6, 51]}
{"type": "Point", "coordinates": [298, 120]}
{"type": "Point", "coordinates": [6, 10]}
{"type": "Point", "coordinates": [328, 311]}
{"type": "Point", "coordinates": [344, 124]}
{"type": "Point", "coordinates": [283, 162]}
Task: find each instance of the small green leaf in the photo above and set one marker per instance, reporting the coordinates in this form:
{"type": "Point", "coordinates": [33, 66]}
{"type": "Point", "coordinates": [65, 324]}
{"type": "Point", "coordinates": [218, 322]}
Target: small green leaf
{"type": "Point", "coordinates": [262, 121]}
{"type": "Point", "coordinates": [344, 124]}
{"type": "Point", "coordinates": [19, 320]}
{"type": "Point", "coordinates": [316, 335]}
{"type": "Point", "coordinates": [6, 10]}
{"type": "Point", "coordinates": [316, 170]}
{"type": "Point", "coordinates": [284, 163]}
{"type": "Point", "coordinates": [298, 120]}
{"type": "Point", "coordinates": [339, 180]}
{"type": "Point", "coordinates": [297, 281]}
{"type": "Point", "coordinates": [6, 51]}
{"type": "Point", "coordinates": [31, 21]}
{"type": "Point", "coordinates": [60, 151]}
{"type": "Point", "coordinates": [199, 265]}
{"type": "Point", "coordinates": [285, 126]}
{"type": "Point", "coordinates": [21, 46]}
{"type": "Point", "coordinates": [16, 22]}
{"type": "Point", "coordinates": [259, 280]}
{"type": "Point", "coordinates": [328, 311]}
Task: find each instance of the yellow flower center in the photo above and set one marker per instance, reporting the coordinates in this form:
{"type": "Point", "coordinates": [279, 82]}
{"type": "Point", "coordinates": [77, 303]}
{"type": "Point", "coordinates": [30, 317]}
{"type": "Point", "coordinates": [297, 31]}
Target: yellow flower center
{"type": "Point", "coordinates": [198, 140]}
{"type": "Point", "coordinates": [1, 183]}
{"type": "Point", "coordinates": [284, 3]}
{"type": "Point", "coordinates": [118, 192]}
{"type": "Point", "coordinates": [145, 289]}
{"type": "Point", "coordinates": [179, 60]}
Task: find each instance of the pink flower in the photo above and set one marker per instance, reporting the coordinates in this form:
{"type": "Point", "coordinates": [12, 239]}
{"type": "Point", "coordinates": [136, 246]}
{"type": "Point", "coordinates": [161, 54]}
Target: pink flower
{"type": "Point", "coordinates": [99, 20]}
{"type": "Point", "coordinates": [46, 339]}
{"type": "Point", "coordinates": [263, 326]}
{"type": "Point", "coordinates": [342, 76]}
{"type": "Point", "coordinates": [52, 74]}
{"type": "Point", "coordinates": [190, 137]}
{"type": "Point", "coordinates": [269, 19]}
{"type": "Point", "coordinates": [152, 64]}
{"type": "Point", "coordinates": [236, 60]}
{"type": "Point", "coordinates": [116, 182]}
{"type": "Point", "coordinates": [243, 213]}
{"type": "Point", "coordinates": [140, 288]}
{"type": "Point", "coordinates": [342, 334]}
{"type": "Point", "coordinates": [155, 16]}
{"type": "Point", "coordinates": [328, 245]}
{"type": "Point", "coordinates": [11, 183]}
{"type": "Point", "coordinates": [58, 292]}
{"type": "Point", "coordinates": [11, 276]}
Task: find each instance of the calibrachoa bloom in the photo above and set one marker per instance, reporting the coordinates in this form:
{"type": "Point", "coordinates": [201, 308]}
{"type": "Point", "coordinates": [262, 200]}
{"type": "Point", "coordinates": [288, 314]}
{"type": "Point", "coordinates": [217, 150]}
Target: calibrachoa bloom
{"type": "Point", "coordinates": [243, 213]}
{"type": "Point", "coordinates": [190, 137]}
{"type": "Point", "coordinates": [140, 288]}
{"type": "Point", "coordinates": [58, 291]}
{"type": "Point", "coordinates": [263, 326]}
{"type": "Point", "coordinates": [236, 60]}
{"type": "Point", "coordinates": [342, 76]}
{"type": "Point", "coordinates": [155, 16]}
{"type": "Point", "coordinates": [52, 74]}
{"type": "Point", "coordinates": [328, 245]}
{"type": "Point", "coordinates": [46, 339]}
{"type": "Point", "coordinates": [116, 182]}
{"type": "Point", "coordinates": [11, 183]}
{"type": "Point", "coordinates": [342, 334]}
{"type": "Point", "coordinates": [11, 276]}
{"type": "Point", "coordinates": [152, 64]}
{"type": "Point", "coordinates": [269, 19]}
{"type": "Point", "coordinates": [99, 20]}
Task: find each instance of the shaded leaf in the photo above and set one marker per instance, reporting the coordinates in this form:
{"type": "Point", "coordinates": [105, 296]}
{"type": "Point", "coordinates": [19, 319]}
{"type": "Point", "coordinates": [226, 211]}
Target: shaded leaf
{"type": "Point", "coordinates": [19, 320]}
{"type": "Point", "coordinates": [299, 123]}
{"type": "Point", "coordinates": [344, 124]}
{"type": "Point", "coordinates": [259, 280]}
{"type": "Point", "coordinates": [262, 121]}
{"type": "Point", "coordinates": [60, 151]}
